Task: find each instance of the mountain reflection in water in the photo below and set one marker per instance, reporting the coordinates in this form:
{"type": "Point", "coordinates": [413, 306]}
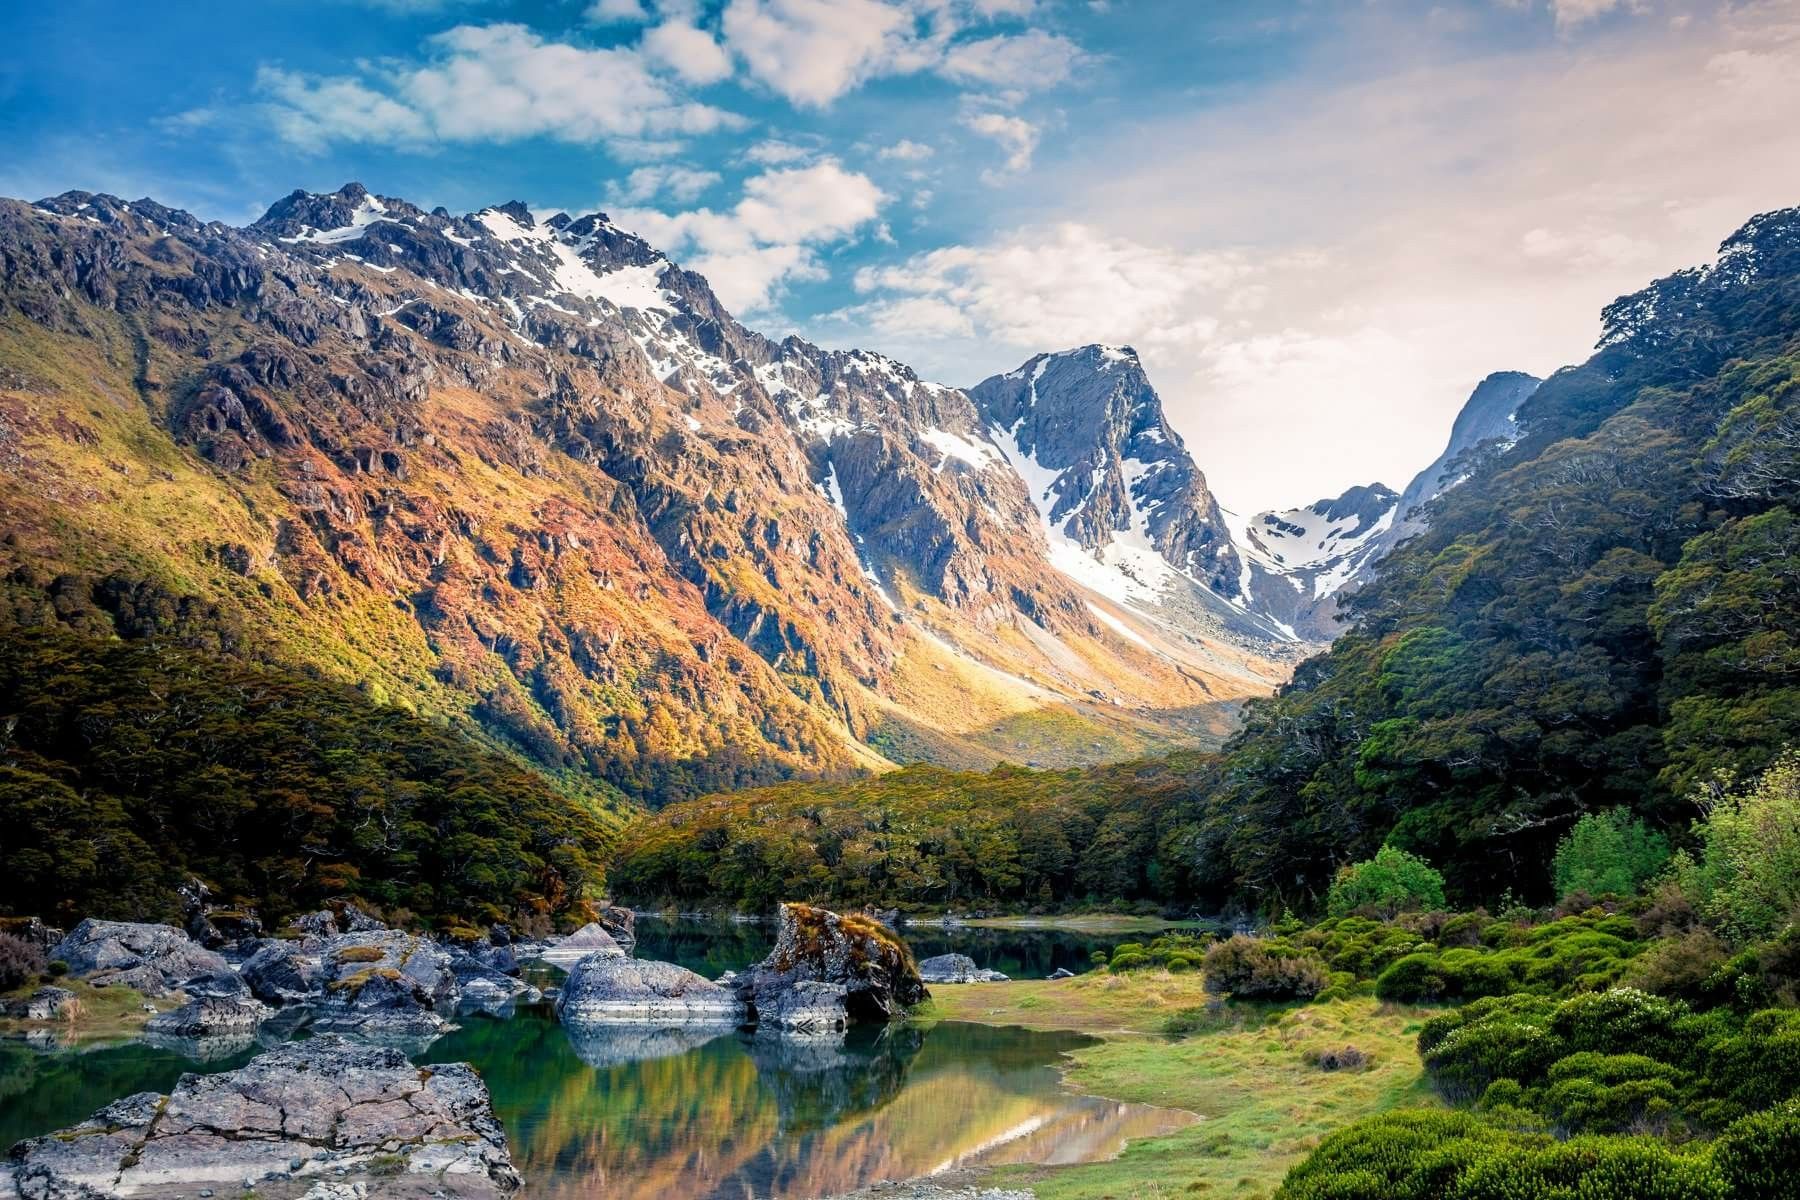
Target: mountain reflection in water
{"type": "Point", "coordinates": [676, 1114]}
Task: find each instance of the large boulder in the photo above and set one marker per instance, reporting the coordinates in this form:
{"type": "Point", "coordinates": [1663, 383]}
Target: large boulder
{"type": "Point", "coordinates": [282, 972]}
{"type": "Point", "coordinates": [613, 989]}
{"type": "Point", "coordinates": [485, 989]}
{"type": "Point", "coordinates": [620, 923]}
{"type": "Point", "coordinates": [590, 939]}
{"type": "Point", "coordinates": [210, 1016]}
{"type": "Point", "coordinates": [327, 1111]}
{"type": "Point", "coordinates": [807, 1007]}
{"type": "Point", "coordinates": [956, 968]}
{"type": "Point", "coordinates": [388, 981]}
{"type": "Point", "coordinates": [861, 955]}
{"type": "Point", "coordinates": [152, 958]}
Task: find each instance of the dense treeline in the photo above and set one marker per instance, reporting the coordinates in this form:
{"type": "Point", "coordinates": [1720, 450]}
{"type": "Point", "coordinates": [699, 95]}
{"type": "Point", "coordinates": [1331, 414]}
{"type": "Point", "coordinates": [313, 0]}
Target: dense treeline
{"type": "Point", "coordinates": [128, 768]}
{"type": "Point", "coordinates": [1605, 615]}
{"type": "Point", "coordinates": [924, 837]}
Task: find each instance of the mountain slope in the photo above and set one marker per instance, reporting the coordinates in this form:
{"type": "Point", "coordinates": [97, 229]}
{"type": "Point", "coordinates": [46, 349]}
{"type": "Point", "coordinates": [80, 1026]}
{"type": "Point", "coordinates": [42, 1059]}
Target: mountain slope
{"type": "Point", "coordinates": [533, 473]}
{"type": "Point", "coordinates": [1602, 615]}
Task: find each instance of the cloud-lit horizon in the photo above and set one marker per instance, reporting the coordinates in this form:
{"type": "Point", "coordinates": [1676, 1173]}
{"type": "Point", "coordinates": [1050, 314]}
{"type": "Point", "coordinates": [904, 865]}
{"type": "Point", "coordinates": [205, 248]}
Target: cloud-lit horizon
{"type": "Point", "coordinates": [1319, 224]}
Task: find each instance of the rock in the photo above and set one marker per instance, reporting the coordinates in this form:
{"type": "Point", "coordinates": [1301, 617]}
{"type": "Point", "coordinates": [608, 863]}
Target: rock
{"type": "Point", "coordinates": [485, 989]}
{"type": "Point", "coordinates": [210, 1016]}
{"type": "Point", "coordinates": [388, 981]}
{"type": "Point", "coordinates": [620, 923]}
{"type": "Point", "coordinates": [866, 958]}
{"type": "Point", "coordinates": [806, 1007]}
{"type": "Point", "coordinates": [215, 983]}
{"type": "Point", "coordinates": [610, 988]}
{"type": "Point", "coordinates": [588, 940]}
{"type": "Point", "coordinates": [956, 968]}
{"type": "Point", "coordinates": [1061, 973]}
{"type": "Point", "coordinates": [45, 1004]}
{"type": "Point", "coordinates": [321, 924]}
{"type": "Point", "coordinates": [152, 958]}
{"type": "Point", "coordinates": [283, 1123]}
{"type": "Point", "coordinates": [283, 973]}
{"type": "Point", "coordinates": [34, 931]}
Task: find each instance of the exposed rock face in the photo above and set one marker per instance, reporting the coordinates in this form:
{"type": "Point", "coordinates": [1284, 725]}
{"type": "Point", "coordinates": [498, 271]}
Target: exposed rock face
{"type": "Point", "coordinates": [386, 980]}
{"type": "Point", "coordinates": [45, 1004]}
{"type": "Point", "coordinates": [152, 958]}
{"type": "Point", "coordinates": [866, 959]}
{"type": "Point", "coordinates": [620, 923]}
{"type": "Point", "coordinates": [485, 989]}
{"type": "Point", "coordinates": [806, 1007]}
{"type": "Point", "coordinates": [612, 989]}
{"type": "Point", "coordinates": [328, 1108]}
{"type": "Point", "coordinates": [283, 972]}
{"type": "Point", "coordinates": [590, 939]}
{"type": "Point", "coordinates": [210, 1016]}
{"type": "Point", "coordinates": [956, 968]}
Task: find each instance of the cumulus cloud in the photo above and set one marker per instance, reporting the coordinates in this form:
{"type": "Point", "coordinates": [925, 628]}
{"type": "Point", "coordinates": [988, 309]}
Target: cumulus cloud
{"type": "Point", "coordinates": [500, 83]}
{"type": "Point", "coordinates": [1048, 288]}
{"type": "Point", "coordinates": [813, 51]}
{"type": "Point", "coordinates": [681, 184]}
{"type": "Point", "coordinates": [312, 113]}
{"type": "Point", "coordinates": [771, 236]}
{"type": "Point", "coordinates": [611, 12]}
{"type": "Point", "coordinates": [690, 52]}
{"type": "Point", "coordinates": [906, 150]}
{"type": "Point", "coordinates": [1024, 62]}
{"type": "Point", "coordinates": [1018, 138]}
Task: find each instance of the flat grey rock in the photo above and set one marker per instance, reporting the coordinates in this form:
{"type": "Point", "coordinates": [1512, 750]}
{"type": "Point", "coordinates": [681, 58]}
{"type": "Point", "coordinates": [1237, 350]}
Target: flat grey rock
{"type": "Point", "coordinates": [605, 989]}
{"type": "Point", "coordinates": [589, 939]}
{"type": "Point", "coordinates": [956, 968]}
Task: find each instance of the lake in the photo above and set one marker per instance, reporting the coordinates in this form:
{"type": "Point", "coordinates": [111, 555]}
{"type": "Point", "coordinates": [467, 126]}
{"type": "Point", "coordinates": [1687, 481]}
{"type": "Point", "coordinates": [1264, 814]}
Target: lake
{"type": "Point", "coordinates": [681, 1114]}
{"type": "Point", "coordinates": [713, 945]}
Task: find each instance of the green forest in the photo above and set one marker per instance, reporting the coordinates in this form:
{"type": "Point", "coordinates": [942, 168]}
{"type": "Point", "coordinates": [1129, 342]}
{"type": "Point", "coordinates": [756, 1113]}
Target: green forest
{"type": "Point", "coordinates": [128, 768]}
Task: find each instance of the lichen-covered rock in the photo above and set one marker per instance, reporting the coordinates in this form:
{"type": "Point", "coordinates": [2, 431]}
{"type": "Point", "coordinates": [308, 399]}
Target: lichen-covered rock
{"type": "Point", "coordinates": [956, 968]}
{"type": "Point", "coordinates": [325, 1109]}
{"type": "Point", "coordinates": [610, 988]}
{"type": "Point", "coordinates": [620, 923]}
{"type": "Point", "coordinates": [590, 939]}
{"type": "Point", "coordinates": [386, 980]}
{"type": "Point", "coordinates": [45, 1004]}
{"type": "Point", "coordinates": [485, 989]}
{"type": "Point", "coordinates": [282, 972]}
{"type": "Point", "coordinates": [867, 959]}
{"type": "Point", "coordinates": [210, 1016]}
{"type": "Point", "coordinates": [152, 958]}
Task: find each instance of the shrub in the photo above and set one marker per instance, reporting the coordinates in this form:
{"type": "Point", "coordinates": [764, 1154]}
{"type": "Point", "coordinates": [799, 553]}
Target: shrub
{"type": "Point", "coordinates": [1760, 1155]}
{"type": "Point", "coordinates": [1686, 966]}
{"type": "Point", "coordinates": [1622, 1021]}
{"type": "Point", "coordinates": [1613, 1093]}
{"type": "Point", "coordinates": [1415, 978]}
{"type": "Point", "coordinates": [1129, 961]}
{"type": "Point", "coordinates": [1503, 1037]}
{"type": "Point", "coordinates": [1610, 853]}
{"type": "Point", "coordinates": [1392, 882]}
{"type": "Point", "coordinates": [1746, 883]}
{"type": "Point", "coordinates": [1263, 969]}
{"type": "Point", "coordinates": [21, 962]}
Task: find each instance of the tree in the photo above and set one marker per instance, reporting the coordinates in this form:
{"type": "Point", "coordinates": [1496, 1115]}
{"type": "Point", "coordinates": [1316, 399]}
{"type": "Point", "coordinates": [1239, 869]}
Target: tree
{"type": "Point", "coordinates": [1608, 854]}
{"type": "Point", "coordinates": [1747, 880]}
{"type": "Point", "coordinates": [1391, 882]}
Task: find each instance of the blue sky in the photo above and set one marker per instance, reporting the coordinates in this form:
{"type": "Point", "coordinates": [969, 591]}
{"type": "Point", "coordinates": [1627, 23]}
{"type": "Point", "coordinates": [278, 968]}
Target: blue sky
{"type": "Point", "coordinates": [1320, 223]}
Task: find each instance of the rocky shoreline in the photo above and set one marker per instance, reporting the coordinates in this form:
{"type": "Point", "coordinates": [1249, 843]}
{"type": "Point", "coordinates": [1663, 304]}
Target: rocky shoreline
{"type": "Point", "coordinates": [345, 1114]}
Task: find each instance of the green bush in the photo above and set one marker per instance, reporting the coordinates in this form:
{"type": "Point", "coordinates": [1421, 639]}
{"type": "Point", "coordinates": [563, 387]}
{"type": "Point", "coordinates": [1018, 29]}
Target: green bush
{"type": "Point", "coordinates": [1413, 980]}
{"type": "Point", "coordinates": [1609, 853]}
{"type": "Point", "coordinates": [1760, 1155]}
{"type": "Point", "coordinates": [1502, 1037]}
{"type": "Point", "coordinates": [1613, 1093]}
{"type": "Point", "coordinates": [1746, 882]}
{"type": "Point", "coordinates": [1392, 882]}
{"type": "Point", "coordinates": [1264, 969]}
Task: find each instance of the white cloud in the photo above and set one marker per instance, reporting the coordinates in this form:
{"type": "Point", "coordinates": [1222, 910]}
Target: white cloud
{"type": "Point", "coordinates": [774, 152]}
{"type": "Point", "coordinates": [312, 113]}
{"type": "Point", "coordinates": [813, 51]}
{"type": "Point", "coordinates": [1024, 62]}
{"type": "Point", "coordinates": [691, 53]}
{"type": "Point", "coordinates": [608, 12]}
{"type": "Point", "coordinates": [1017, 137]}
{"type": "Point", "coordinates": [504, 81]}
{"type": "Point", "coordinates": [683, 185]}
{"type": "Point", "coordinates": [906, 150]}
{"type": "Point", "coordinates": [769, 238]}
{"type": "Point", "coordinates": [1003, 8]}
{"type": "Point", "coordinates": [1050, 288]}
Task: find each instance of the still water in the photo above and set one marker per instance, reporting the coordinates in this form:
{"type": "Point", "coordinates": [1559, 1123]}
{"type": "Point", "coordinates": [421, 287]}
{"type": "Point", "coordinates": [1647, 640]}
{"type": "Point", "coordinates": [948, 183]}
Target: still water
{"type": "Point", "coordinates": [677, 1114]}
{"type": "Point", "coordinates": [714, 945]}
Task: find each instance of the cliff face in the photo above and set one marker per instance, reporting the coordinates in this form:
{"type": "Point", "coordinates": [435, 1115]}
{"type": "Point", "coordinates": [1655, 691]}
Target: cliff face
{"type": "Point", "coordinates": [533, 473]}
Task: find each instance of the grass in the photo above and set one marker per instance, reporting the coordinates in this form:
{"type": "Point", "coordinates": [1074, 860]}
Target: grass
{"type": "Point", "coordinates": [1262, 1105]}
{"type": "Point", "coordinates": [105, 1013]}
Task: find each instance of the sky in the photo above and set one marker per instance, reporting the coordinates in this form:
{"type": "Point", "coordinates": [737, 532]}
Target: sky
{"type": "Point", "coordinates": [1320, 223]}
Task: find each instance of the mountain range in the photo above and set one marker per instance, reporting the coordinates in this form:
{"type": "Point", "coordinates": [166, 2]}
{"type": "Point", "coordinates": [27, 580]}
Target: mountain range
{"type": "Point", "coordinates": [531, 479]}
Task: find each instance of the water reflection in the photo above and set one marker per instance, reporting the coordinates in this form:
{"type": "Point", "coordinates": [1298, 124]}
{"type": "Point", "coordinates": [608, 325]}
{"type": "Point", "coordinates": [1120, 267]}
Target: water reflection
{"type": "Point", "coordinates": [626, 1114]}
{"type": "Point", "coordinates": [684, 1113]}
